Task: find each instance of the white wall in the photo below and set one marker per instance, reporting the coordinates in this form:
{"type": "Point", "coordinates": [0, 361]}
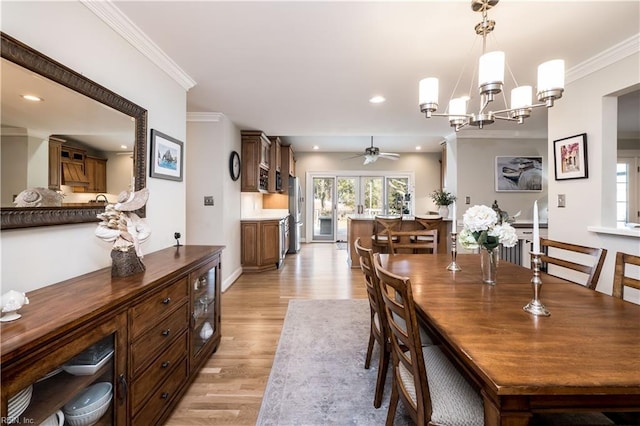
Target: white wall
{"type": "Point", "coordinates": [72, 35]}
{"type": "Point", "coordinates": [588, 106]}
{"type": "Point", "coordinates": [211, 139]}
{"type": "Point", "coordinates": [476, 159]}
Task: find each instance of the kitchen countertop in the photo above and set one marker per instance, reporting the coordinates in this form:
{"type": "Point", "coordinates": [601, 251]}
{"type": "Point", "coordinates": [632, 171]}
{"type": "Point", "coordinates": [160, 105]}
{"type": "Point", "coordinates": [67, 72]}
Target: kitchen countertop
{"type": "Point", "coordinates": [266, 214]}
{"type": "Point", "coordinates": [372, 217]}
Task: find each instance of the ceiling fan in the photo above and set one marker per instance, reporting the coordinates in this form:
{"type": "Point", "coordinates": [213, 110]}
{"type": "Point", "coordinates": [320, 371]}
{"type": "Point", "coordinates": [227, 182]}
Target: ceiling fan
{"type": "Point", "coordinates": [372, 153]}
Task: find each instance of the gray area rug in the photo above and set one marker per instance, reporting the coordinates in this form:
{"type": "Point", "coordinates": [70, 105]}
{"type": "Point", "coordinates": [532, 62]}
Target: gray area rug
{"type": "Point", "coordinates": [318, 375]}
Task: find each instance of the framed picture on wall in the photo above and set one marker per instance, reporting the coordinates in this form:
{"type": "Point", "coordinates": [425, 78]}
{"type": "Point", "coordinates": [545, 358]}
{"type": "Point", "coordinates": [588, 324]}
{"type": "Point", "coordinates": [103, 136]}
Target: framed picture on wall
{"type": "Point", "coordinates": [570, 157]}
{"type": "Point", "coordinates": [518, 174]}
{"type": "Point", "coordinates": [166, 156]}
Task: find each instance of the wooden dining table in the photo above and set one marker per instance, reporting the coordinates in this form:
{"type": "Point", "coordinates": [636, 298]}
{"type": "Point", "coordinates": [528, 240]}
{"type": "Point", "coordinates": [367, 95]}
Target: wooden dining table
{"type": "Point", "coordinates": [585, 356]}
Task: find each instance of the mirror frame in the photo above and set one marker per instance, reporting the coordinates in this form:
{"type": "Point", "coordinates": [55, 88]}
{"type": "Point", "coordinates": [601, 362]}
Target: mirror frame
{"type": "Point", "coordinates": [23, 55]}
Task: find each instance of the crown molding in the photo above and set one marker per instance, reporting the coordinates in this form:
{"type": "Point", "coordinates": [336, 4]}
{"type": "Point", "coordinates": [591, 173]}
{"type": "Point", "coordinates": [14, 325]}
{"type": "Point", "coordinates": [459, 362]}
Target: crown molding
{"type": "Point", "coordinates": [204, 116]}
{"type": "Point", "coordinates": [122, 25]}
{"type": "Point", "coordinates": [605, 58]}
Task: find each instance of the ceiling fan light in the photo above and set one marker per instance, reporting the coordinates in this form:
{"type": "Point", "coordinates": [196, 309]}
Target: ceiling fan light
{"type": "Point", "coordinates": [368, 159]}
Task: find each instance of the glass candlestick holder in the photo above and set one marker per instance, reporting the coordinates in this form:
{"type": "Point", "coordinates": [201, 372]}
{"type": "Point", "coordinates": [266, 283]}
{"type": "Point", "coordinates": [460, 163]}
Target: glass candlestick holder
{"type": "Point", "coordinates": [453, 266]}
{"type": "Point", "coordinates": [535, 307]}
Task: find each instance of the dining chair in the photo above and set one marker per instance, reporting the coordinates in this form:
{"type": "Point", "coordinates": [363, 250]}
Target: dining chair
{"type": "Point", "coordinates": [621, 278]}
{"type": "Point", "coordinates": [423, 239]}
{"type": "Point", "coordinates": [381, 227]}
{"type": "Point", "coordinates": [378, 326]}
{"type": "Point", "coordinates": [558, 253]}
{"type": "Point", "coordinates": [430, 387]}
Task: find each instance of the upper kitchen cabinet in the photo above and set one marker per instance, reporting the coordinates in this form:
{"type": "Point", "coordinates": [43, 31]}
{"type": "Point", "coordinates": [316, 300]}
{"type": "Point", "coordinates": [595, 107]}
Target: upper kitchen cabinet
{"type": "Point", "coordinates": [288, 167]}
{"type": "Point", "coordinates": [256, 159]}
{"type": "Point", "coordinates": [275, 173]}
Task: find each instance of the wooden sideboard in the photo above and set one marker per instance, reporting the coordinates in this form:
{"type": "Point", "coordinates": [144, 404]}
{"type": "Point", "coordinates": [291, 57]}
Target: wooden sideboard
{"type": "Point", "coordinates": [161, 326]}
{"type": "Point", "coordinates": [361, 227]}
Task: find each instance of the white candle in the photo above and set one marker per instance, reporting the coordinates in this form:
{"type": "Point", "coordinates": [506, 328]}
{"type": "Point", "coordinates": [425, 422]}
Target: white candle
{"type": "Point", "coordinates": [536, 230]}
{"type": "Point", "coordinates": [453, 222]}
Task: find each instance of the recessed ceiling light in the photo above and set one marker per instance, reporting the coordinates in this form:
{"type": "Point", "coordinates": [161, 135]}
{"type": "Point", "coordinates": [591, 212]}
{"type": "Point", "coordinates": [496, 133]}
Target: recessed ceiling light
{"type": "Point", "coordinates": [377, 99]}
{"type": "Point", "coordinates": [123, 146]}
{"type": "Point", "coordinates": [418, 148]}
{"type": "Point", "coordinates": [316, 147]}
{"type": "Point", "coordinates": [32, 98]}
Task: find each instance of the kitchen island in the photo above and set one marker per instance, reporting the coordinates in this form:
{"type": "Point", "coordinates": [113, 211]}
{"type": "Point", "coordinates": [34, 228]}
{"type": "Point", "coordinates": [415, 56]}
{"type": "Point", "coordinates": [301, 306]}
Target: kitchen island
{"type": "Point", "coordinates": [361, 226]}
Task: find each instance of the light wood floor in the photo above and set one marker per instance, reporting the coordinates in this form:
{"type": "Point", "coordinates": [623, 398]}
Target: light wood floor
{"type": "Point", "coordinates": [229, 389]}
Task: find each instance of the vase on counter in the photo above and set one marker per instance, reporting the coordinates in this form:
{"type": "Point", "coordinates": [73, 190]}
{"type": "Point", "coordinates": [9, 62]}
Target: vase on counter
{"type": "Point", "coordinates": [489, 265]}
{"type": "Point", "coordinates": [443, 211]}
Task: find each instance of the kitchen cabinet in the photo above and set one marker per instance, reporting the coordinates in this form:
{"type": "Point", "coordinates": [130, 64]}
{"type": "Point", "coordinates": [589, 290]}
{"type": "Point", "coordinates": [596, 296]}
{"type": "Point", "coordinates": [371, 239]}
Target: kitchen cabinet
{"type": "Point", "coordinates": [263, 244]}
{"type": "Point", "coordinates": [256, 153]}
{"type": "Point", "coordinates": [144, 320]}
{"type": "Point", "coordinates": [55, 170]}
{"type": "Point", "coordinates": [96, 171]}
{"type": "Point", "coordinates": [275, 173]}
{"type": "Point", "coordinates": [288, 162]}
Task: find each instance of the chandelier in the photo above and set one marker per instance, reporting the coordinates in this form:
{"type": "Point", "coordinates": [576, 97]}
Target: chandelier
{"type": "Point", "coordinates": [490, 81]}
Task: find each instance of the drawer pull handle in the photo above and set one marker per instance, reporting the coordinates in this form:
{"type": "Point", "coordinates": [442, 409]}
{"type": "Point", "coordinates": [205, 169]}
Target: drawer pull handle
{"type": "Point", "coordinates": [165, 364]}
{"type": "Point", "coordinates": [166, 300]}
{"type": "Point", "coordinates": [164, 395]}
{"type": "Point", "coordinates": [166, 332]}
{"type": "Point", "coordinates": [123, 389]}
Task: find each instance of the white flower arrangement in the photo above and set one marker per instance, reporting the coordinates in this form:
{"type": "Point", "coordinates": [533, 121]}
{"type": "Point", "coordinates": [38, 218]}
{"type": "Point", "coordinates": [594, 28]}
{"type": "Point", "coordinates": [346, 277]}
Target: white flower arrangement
{"type": "Point", "coordinates": [484, 227]}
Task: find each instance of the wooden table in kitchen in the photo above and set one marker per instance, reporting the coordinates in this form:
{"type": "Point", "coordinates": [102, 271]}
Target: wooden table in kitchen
{"type": "Point", "coordinates": [584, 357]}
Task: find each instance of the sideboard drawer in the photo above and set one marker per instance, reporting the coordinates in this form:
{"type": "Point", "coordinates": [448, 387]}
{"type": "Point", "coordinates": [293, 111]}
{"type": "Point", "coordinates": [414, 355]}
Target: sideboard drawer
{"type": "Point", "coordinates": [162, 396]}
{"type": "Point", "coordinates": [146, 313]}
{"type": "Point", "coordinates": [154, 341]}
{"type": "Point", "coordinates": [158, 371]}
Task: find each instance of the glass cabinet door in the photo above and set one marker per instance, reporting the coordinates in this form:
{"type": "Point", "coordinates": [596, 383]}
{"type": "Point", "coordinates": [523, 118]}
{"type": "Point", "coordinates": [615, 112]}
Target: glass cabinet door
{"type": "Point", "coordinates": [205, 305]}
{"type": "Point", "coordinates": [78, 381]}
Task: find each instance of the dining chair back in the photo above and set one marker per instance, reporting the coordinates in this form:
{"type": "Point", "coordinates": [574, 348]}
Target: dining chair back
{"type": "Point", "coordinates": [430, 387]}
{"type": "Point", "coordinates": [554, 253]}
{"type": "Point", "coordinates": [415, 241]}
{"type": "Point", "coordinates": [621, 277]}
{"type": "Point", "coordinates": [381, 227]}
{"type": "Point", "coordinates": [378, 330]}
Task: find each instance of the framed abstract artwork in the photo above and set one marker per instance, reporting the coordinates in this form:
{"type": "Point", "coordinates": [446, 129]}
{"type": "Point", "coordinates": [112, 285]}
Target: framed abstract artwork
{"type": "Point", "coordinates": [518, 174]}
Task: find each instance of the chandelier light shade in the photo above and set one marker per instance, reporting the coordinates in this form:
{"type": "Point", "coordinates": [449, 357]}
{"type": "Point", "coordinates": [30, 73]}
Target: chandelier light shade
{"type": "Point", "coordinates": [491, 68]}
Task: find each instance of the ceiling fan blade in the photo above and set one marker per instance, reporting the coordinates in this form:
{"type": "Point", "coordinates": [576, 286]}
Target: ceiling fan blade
{"type": "Point", "coordinates": [355, 156]}
{"type": "Point", "coordinates": [390, 155]}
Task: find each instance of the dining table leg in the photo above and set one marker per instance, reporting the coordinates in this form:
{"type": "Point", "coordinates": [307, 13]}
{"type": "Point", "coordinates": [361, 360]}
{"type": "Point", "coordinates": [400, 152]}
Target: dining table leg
{"type": "Point", "coordinates": [507, 412]}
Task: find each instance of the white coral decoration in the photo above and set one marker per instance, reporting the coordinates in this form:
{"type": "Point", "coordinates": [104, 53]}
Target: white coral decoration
{"type": "Point", "coordinates": [124, 229]}
{"type": "Point", "coordinates": [479, 218]}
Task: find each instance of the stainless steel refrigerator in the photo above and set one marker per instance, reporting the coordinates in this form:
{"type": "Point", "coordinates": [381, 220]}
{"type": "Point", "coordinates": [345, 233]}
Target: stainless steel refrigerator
{"type": "Point", "coordinates": [295, 214]}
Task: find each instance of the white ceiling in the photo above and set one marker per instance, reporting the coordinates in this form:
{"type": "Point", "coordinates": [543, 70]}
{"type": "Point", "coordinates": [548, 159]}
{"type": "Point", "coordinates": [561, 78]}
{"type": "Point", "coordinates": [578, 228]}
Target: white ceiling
{"type": "Point", "coordinates": [306, 69]}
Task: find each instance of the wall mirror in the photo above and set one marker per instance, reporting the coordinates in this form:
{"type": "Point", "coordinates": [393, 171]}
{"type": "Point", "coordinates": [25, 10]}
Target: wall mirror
{"type": "Point", "coordinates": [94, 120]}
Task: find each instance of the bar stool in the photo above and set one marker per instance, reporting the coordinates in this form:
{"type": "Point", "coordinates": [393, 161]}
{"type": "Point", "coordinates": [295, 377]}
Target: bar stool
{"type": "Point", "coordinates": [381, 227]}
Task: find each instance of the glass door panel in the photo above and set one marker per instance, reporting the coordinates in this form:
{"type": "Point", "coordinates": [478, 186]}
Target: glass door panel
{"type": "Point", "coordinates": [347, 204]}
{"type": "Point", "coordinates": [324, 208]}
{"type": "Point", "coordinates": [371, 193]}
{"type": "Point", "coordinates": [398, 196]}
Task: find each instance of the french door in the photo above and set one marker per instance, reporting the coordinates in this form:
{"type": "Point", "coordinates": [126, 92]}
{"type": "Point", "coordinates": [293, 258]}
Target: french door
{"type": "Point", "coordinates": [355, 194]}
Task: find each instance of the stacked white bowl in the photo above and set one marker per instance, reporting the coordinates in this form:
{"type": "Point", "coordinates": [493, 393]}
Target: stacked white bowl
{"type": "Point", "coordinates": [88, 406]}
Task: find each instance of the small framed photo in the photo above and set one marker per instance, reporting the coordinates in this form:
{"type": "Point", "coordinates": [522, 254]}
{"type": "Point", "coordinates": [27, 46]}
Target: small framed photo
{"type": "Point", "coordinates": [518, 174]}
{"type": "Point", "coordinates": [570, 157]}
{"type": "Point", "coordinates": [166, 156]}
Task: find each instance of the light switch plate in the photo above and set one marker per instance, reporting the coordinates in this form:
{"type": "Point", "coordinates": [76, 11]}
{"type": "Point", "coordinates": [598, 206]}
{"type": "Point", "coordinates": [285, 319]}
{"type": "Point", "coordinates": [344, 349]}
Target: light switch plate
{"type": "Point", "coordinates": [561, 200]}
{"type": "Point", "coordinates": [208, 200]}
{"type": "Point", "coordinates": [467, 200]}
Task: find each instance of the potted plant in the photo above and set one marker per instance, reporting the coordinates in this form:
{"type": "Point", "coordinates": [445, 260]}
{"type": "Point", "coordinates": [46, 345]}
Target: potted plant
{"type": "Point", "coordinates": [443, 199]}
